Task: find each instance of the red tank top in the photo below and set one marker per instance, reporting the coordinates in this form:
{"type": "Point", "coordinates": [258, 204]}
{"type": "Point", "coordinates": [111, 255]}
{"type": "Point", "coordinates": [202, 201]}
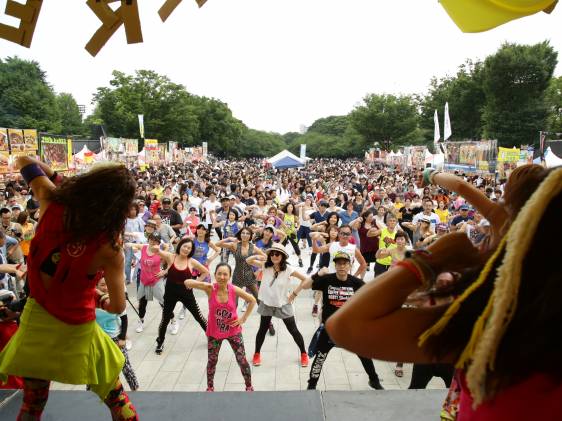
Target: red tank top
{"type": "Point", "coordinates": [177, 276]}
{"type": "Point", "coordinates": [70, 296]}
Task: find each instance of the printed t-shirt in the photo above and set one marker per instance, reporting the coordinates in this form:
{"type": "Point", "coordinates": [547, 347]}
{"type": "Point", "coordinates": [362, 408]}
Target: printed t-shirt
{"type": "Point", "coordinates": [335, 293]}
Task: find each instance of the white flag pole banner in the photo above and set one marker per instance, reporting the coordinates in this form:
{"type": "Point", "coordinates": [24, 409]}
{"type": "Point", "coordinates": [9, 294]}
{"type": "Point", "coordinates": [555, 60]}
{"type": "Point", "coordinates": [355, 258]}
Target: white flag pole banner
{"type": "Point", "coordinates": [141, 125]}
{"type": "Point", "coordinates": [447, 127]}
{"type": "Point", "coordinates": [436, 132]}
{"type": "Point", "coordinates": [303, 151]}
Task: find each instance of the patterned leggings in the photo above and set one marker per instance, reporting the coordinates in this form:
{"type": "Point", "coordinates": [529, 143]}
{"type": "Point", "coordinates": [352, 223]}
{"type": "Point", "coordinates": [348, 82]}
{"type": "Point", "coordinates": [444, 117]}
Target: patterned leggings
{"type": "Point", "coordinates": [36, 393]}
{"type": "Point", "coordinates": [237, 344]}
{"type": "Point", "coordinates": [128, 371]}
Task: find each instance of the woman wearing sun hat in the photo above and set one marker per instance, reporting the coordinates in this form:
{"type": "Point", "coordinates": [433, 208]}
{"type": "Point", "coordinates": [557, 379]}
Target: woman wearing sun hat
{"type": "Point", "coordinates": [274, 297]}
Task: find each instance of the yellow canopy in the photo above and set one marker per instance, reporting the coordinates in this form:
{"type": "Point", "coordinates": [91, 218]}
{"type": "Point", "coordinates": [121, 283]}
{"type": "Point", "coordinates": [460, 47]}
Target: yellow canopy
{"type": "Point", "coordinates": [482, 15]}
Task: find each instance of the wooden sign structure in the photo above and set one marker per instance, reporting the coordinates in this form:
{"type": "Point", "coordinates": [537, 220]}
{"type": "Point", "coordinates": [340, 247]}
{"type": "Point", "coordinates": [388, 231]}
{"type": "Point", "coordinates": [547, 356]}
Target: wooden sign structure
{"type": "Point", "coordinates": [127, 15]}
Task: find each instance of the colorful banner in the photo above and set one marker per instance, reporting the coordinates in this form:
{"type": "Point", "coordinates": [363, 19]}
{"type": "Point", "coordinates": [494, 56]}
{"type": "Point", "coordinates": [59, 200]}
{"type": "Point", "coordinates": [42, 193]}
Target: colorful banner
{"type": "Point", "coordinates": [113, 145]}
{"type": "Point", "coordinates": [471, 156]}
{"type": "Point", "coordinates": [4, 140]}
{"type": "Point", "coordinates": [509, 154]}
{"type": "Point", "coordinates": [17, 143]}
{"type": "Point", "coordinates": [162, 149]}
{"type": "Point", "coordinates": [5, 162]}
{"type": "Point", "coordinates": [55, 150]}
{"type": "Point", "coordinates": [30, 140]}
{"type": "Point", "coordinates": [131, 147]}
{"type": "Point", "coordinates": [151, 151]}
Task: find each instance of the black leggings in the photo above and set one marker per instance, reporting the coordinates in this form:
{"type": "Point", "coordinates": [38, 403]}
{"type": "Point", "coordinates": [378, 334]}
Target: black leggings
{"type": "Point", "coordinates": [423, 373]}
{"type": "Point", "coordinates": [294, 242]}
{"type": "Point", "coordinates": [142, 307]}
{"type": "Point", "coordinates": [172, 294]}
{"type": "Point", "coordinates": [323, 347]}
{"type": "Point", "coordinates": [291, 326]}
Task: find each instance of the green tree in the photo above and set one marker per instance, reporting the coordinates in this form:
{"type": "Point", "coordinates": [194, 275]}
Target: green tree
{"type": "Point", "coordinates": [333, 125]}
{"type": "Point", "coordinates": [553, 98]}
{"type": "Point", "coordinates": [386, 119]}
{"type": "Point", "coordinates": [170, 112]}
{"type": "Point", "coordinates": [68, 114]}
{"type": "Point", "coordinates": [256, 143]}
{"type": "Point", "coordinates": [466, 98]}
{"type": "Point", "coordinates": [515, 80]}
{"type": "Point", "coordinates": [219, 128]}
{"type": "Point", "coordinates": [27, 99]}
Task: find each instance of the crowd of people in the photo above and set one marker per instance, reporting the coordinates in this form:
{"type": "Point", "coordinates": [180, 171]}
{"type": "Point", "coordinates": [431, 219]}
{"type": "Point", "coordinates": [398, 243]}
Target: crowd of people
{"type": "Point", "coordinates": [224, 227]}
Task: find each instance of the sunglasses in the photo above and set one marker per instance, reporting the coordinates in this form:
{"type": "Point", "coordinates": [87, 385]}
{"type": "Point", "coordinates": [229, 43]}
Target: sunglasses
{"type": "Point", "coordinates": [345, 234]}
{"type": "Point", "coordinates": [275, 254]}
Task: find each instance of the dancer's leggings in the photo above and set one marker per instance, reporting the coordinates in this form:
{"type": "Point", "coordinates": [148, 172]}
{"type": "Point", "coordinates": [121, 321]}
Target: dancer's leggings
{"type": "Point", "coordinates": [252, 289]}
{"type": "Point", "coordinates": [143, 302]}
{"type": "Point", "coordinates": [36, 393]}
{"type": "Point", "coordinates": [174, 293]}
{"type": "Point", "coordinates": [304, 232]}
{"type": "Point", "coordinates": [324, 346]}
{"type": "Point", "coordinates": [423, 373]}
{"type": "Point", "coordinates": [237, 344]}
{"type": "Point", "coordinates": [291, 326]}
{"type": "Point", "coordinates": [294, 242]}
{"type": "Point", "coordinates": [128, 371]}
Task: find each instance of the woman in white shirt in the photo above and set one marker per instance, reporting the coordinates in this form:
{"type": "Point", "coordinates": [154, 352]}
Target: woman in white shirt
{"type": "Point", "coordinates": [274, 297]}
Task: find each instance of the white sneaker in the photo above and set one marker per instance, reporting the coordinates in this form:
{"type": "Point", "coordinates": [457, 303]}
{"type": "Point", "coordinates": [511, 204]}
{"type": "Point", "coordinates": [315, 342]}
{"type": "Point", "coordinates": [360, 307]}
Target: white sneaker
{"type": "Point", "coordinates": [182, 314]}
{"type": "Point", "coordinates": [140, 326]}
{"type": "Point", "coordinates": [174, 327]}
{"type": "Point", "coordinates": [128, 345]}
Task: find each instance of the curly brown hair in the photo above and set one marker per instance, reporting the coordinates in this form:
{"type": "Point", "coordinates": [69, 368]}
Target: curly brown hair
{"type": "Point", "coordinates": [96, 203]}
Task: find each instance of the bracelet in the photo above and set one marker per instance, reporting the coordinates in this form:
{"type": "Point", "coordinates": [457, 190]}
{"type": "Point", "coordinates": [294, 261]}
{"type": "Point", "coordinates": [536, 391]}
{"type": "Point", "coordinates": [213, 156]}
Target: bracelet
{"type": "Point", "coordinates": [426, 176]}
{"type": "Point", "coordinates": [432, 176]}
{"type": "Point", "coordinates": [31, 172]}
{"type": "Point", "coordinates": [406, 264]}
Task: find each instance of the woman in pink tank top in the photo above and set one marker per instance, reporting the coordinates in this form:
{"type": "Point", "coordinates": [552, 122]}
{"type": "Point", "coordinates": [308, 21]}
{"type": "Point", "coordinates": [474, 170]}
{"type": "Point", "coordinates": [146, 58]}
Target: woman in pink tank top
{"type": "Point", "coordinates": [223, 321]}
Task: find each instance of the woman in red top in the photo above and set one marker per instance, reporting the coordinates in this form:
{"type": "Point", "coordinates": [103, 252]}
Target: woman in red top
{"type": "Point", "coordinates": [503, 330]}
{"type": "Point", "coordinates": [79, 235]}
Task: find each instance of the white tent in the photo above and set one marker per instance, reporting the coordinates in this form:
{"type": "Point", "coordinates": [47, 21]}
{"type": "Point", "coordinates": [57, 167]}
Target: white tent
{"type": "Point", "coordinates": [551, 159]}
{"type": "Point", "coordinates": [286, 159]}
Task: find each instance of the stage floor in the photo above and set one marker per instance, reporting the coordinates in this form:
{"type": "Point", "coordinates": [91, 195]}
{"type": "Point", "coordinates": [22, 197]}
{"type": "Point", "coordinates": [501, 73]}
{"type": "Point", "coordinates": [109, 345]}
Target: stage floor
{"type": "Point", "coordinates": [404, 405]}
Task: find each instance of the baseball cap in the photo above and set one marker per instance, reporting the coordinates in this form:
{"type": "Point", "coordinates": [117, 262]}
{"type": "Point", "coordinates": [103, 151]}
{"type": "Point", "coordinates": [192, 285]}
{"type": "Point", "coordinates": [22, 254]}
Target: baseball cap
{"type": "Point", "coordinates": [155, 236]}
{"type": "Point", "coordinates": [442, 227]}
{"type": "Point", "coordinates": [324, 203]}
{"type": "Point", "coordinates": [16, 207]}
{"type": "Point", "coordinates": [340, 254]}
{"type": "Point", "coordinates": [484, 223]}
{"type": "Point", "coordinates": [425, 219]}
{"type": "Point", "coordinates": [482, 15]}
{"type": "Point", "coordinates": [464, 207]}
{"type": "Point", "coordinates": [232, 197]}
{"type": "Point", "coordinates": [166, 201]}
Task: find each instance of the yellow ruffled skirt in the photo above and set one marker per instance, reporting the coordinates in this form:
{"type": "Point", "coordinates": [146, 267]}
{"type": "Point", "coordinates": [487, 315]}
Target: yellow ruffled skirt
{"type": "Point", "coordinates": [46, 348]}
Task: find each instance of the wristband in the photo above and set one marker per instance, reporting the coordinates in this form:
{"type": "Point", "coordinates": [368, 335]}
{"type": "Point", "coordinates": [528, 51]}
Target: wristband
{"type": "Point", "coordinates": [31, 172]}
{"type": "Point", "coordinates": [407, 264]}
{"type": "Point", "coordinates": [432, 176]}
{"type": "Point", "coordinates": [426, 174]}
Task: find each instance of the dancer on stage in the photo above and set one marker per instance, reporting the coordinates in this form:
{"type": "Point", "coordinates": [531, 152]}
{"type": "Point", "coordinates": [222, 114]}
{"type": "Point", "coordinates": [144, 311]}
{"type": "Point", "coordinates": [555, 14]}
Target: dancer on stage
{"type": "Point", "coordinates": [81, 222]}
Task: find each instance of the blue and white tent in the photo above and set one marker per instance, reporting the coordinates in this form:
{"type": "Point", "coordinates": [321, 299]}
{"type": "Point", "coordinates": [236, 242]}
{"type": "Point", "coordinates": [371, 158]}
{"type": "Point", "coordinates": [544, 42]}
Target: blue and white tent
{"type": "Point", "coordinates": [285, 159]}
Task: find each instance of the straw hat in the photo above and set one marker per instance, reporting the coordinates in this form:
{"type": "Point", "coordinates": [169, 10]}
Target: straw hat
{"type": "Point", "coordinates": [277, 247]}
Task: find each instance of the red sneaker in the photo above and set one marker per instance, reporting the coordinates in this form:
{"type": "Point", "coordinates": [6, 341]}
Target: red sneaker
{"type": "Point", "coordinates": [210, 389]}
{"type": "Point", "coordinates": [256, 361]}
{"type": "Point", "coordinates": [249, 388]}
{"type": "Point", "coordinates": [304, 359]}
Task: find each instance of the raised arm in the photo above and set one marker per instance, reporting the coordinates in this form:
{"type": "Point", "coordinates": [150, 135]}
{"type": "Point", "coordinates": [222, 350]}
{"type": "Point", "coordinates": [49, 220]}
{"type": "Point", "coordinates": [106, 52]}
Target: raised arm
{"type": "Point", "coordinates": [228, 243]}
{"type": "Point", "coordinates": [37, 175]}
{"type": "Point", "coordinates": [203, 286]}
{"type": "Point", "coordinates": [256, 260]}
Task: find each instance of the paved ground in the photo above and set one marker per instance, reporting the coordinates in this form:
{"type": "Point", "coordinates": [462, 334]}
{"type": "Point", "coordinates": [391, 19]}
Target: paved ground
{"type": "Point", "coordinates": [182, 365]}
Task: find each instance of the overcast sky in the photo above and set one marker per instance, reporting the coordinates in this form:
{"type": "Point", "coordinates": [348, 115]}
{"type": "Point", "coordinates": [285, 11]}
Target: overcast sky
{"type": "Point", "coordinates": [278, 64]}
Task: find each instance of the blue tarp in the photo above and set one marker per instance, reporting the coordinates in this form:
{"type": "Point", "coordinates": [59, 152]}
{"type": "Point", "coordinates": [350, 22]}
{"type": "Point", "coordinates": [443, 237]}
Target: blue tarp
{"type": "Point", "coordinates": [287, 162]}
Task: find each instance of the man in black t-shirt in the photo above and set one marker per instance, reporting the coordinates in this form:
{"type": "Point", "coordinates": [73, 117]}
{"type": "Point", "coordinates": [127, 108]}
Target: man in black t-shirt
{"type": "Point", "coordinates": [170, 216]}
{"type": "Point", "coordinates": [336, 289]}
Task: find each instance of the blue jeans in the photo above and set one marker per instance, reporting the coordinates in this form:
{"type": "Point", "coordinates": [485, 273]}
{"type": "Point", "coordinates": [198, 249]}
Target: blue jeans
{"type": "Point", "coordinates": [129, 254]}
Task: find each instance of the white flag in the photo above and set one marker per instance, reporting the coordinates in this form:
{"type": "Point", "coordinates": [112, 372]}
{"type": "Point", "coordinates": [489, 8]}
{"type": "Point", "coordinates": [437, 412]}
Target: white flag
{"type": "Point", "coordinates": [436, 132]}
{"type": "Point", "coordinates": [447, 126]}
{"type": "Point", "coordinates": [141, 125]}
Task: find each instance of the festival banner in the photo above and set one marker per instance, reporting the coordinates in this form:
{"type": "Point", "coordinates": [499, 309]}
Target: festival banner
{"type": "Point", "coordinates": [55, 150]}
{"type": "Point", "coordinates": [162, 149]}
{"type": "Point", "coordinates": [4, 139]}
{"type": "Point", "coordinates": [151, 151]}
{"type": "Point", "coordinates": [509, 154]}
{"type": "Point", "coordinates": [113, 145]}
{"type": "Point", "coordinates": [17, 143]}
{"type": "Point", "coordinates": [206, 149]}
{"type": "Point", "coordinates": [131, 147]}
{"type": "Point", "coordinates": [471, 156]}
{"type": "Point", "coordinates": [30, 140]}
{"type": "Point", "coordinates": [5, 162]}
